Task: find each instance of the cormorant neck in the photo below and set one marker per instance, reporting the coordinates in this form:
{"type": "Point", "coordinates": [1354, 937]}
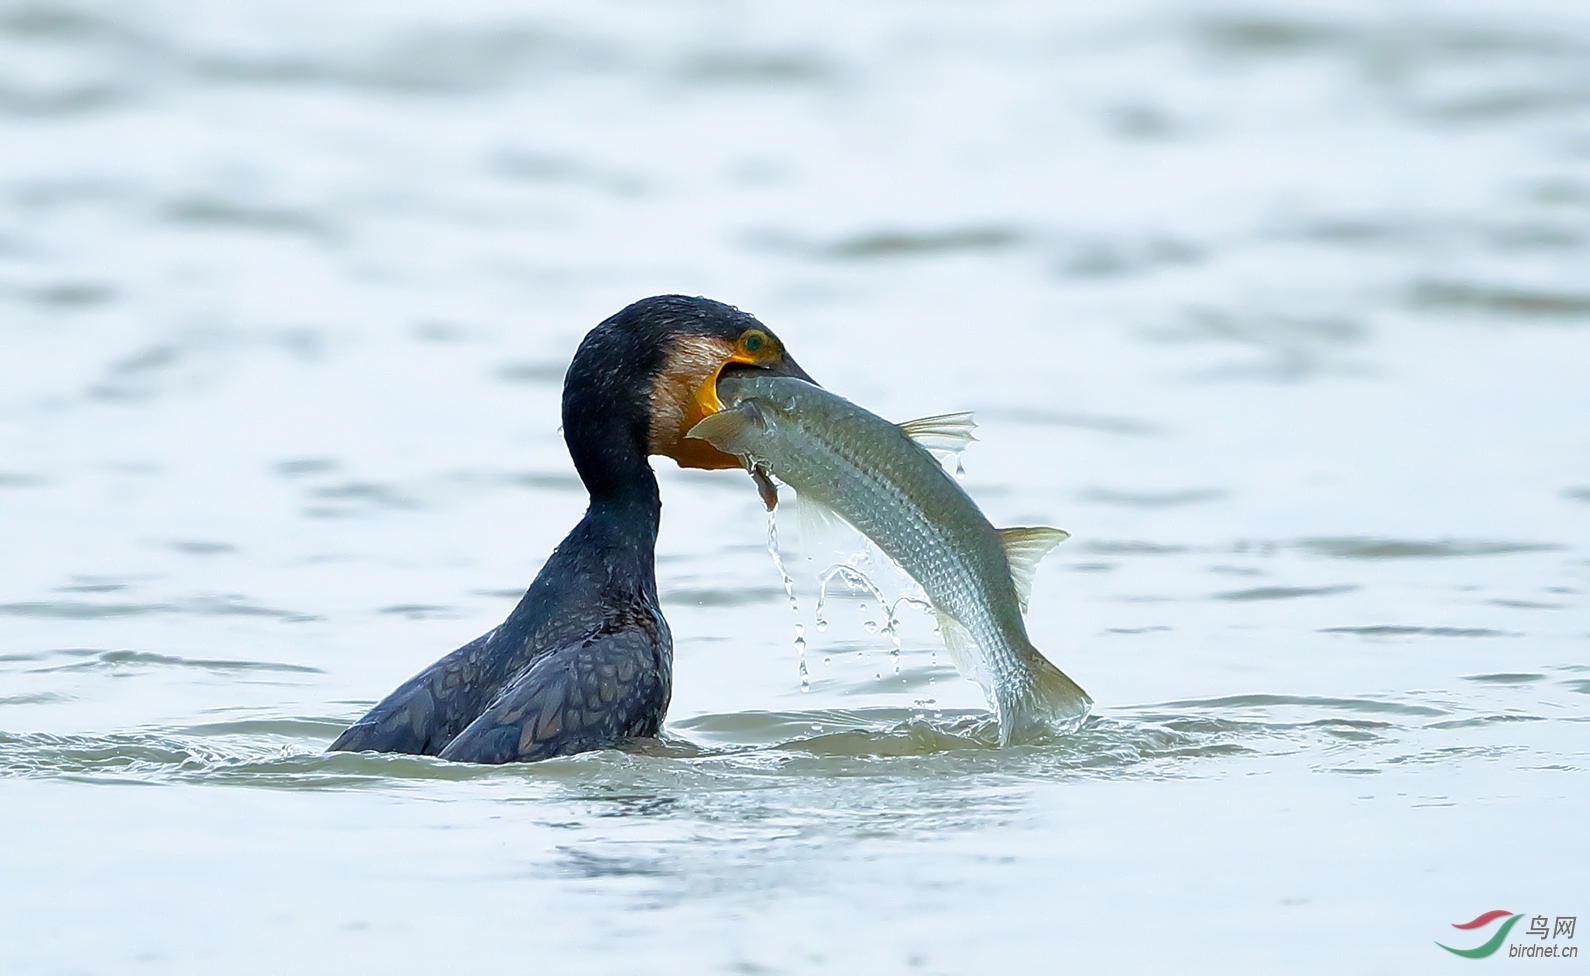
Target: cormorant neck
{"type": "Point", "coordinates": [622, 528]}
{"type": "Point", "coordinates": [635, 501]}
{"type": "Point", "coordinates": [611, 461]}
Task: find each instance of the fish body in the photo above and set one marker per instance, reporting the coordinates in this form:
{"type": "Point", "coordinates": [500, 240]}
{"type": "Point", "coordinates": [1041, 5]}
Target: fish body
{"type": "Point", "coordinates": [894, 491]}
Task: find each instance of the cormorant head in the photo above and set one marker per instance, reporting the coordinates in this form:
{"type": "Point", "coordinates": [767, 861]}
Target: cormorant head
{"type": "Point", "coordinates": [655, 365]}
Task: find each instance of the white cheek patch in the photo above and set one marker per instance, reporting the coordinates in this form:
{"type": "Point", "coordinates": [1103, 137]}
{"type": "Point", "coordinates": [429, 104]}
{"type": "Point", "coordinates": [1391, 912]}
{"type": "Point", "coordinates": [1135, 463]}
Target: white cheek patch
{"type": "Point", "coordinates": [687, 363]}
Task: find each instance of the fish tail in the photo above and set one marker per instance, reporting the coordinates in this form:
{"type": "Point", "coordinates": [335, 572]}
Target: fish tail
{"type": "Point", "coordinates": [1049, 702]}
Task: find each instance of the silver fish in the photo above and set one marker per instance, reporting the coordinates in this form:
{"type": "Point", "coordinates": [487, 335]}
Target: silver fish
{"type": "Point", "coordinates": [879, 478]}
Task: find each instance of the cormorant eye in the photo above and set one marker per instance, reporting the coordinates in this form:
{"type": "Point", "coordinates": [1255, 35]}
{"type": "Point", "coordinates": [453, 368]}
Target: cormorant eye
{"type": "Point", "coordinates": [752, 342]}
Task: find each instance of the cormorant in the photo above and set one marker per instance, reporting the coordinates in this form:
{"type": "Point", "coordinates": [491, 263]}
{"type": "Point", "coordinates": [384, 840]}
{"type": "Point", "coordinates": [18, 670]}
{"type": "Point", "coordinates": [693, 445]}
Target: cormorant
{"type": "Point", "coordinates": [586, 659]}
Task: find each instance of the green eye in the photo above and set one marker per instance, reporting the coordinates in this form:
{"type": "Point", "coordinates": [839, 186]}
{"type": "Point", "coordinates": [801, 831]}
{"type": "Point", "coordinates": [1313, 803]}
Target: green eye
{"type": "Point", "coordinates": [752, 342]}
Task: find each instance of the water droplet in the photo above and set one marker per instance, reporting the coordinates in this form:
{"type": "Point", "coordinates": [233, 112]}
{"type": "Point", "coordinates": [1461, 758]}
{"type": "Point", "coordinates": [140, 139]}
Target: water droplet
{"type": "Point", "coordinates": [828, 660]}
{"type": "Point", "coordinates": [789, 591]}
{"type": "Point", "coordinates": [870, 626]}
{"type": "Point", "coordinates": [822, 625]}
{"type": "Point", "coordinates": [878, 676]}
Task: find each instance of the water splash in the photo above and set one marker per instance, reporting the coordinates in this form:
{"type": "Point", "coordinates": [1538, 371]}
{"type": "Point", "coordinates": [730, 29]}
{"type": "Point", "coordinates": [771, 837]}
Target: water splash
{"type": "Point", "coordinates": [856, 572]}
{"type": "Point", "coordinates": [789, 591]}
{"type": "Point", "coordinates": [856, 580]}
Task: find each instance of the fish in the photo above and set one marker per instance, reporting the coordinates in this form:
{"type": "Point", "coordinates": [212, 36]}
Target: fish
{"type": "Point", "coordinates": [883, 480]}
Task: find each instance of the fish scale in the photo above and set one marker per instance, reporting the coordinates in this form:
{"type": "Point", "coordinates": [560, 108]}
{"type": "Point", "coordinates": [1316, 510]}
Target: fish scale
{"type": "Point", "coordinates": [872, 474]}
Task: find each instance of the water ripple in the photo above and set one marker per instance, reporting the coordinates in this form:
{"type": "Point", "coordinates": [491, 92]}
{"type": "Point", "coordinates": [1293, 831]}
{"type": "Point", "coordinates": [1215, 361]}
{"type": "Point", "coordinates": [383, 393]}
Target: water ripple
{"type": "Point", "coordinates": [227, 606]}
{"type": "Point", "coordinates": [113, 659]}
{"type": "Point", "coordinates": [758, 749]}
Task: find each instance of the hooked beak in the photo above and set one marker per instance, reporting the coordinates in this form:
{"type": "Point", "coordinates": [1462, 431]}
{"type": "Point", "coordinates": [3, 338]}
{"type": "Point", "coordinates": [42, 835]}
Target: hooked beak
{"type": "Point", "coordinates": [693, 453]}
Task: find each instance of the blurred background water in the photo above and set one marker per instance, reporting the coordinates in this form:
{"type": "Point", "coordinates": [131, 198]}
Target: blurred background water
{"type": "Point", "coordinates": [1282, 309]}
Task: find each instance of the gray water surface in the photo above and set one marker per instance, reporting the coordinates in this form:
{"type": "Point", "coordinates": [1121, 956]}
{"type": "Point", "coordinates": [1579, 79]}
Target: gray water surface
{"type": "Point", "coordinates": [1282, 310]}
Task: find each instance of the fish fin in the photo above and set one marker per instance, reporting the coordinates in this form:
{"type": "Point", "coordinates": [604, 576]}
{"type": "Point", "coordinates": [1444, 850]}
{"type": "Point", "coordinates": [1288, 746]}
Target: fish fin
{"type": "Point", "coordinates": [963, 651]}
{"type": "Point", "coordinates": [946, 432]}
{"type": "Point", "coordinates": [1024, 547]}
{"type": "Point", "coordinates": [1049, 702]}
{"type": "Point", "coordinates": [822, 529]}
{"type": "Point", "coordinates": [730, 430]}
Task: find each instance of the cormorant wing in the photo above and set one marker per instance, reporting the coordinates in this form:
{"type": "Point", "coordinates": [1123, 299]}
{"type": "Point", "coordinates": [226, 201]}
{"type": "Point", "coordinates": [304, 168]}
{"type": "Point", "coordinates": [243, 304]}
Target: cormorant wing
{"type": "Point", "coordinates": [424, 713]}
{"type": "Point", "coordinates": [570, 700]}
